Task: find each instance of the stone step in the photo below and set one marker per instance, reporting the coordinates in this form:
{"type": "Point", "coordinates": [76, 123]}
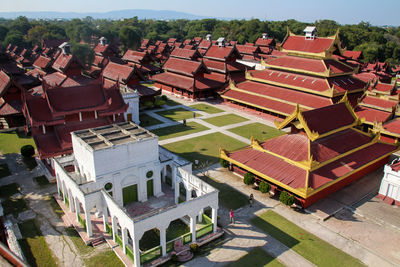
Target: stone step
{"type": "Point", "coordinates": [185, 255]}
{"type": "Point", "coordinates": [98, 241]}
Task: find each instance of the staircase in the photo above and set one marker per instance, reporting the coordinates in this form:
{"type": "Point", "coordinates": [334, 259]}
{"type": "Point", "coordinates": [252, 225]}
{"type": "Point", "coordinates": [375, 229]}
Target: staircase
{"type": "Point", "coordinates": [3, 123]}
{"type": "Point", "coordinates": [183, 252]}
{"type": "Point", "coordinates": [98, 241]}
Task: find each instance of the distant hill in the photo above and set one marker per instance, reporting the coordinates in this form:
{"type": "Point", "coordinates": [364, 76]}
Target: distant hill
{"type": "Point", "coordinates": [117, 14]}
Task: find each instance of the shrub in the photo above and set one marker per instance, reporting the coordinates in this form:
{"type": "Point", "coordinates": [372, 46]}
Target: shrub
{"type": "Point", "coordinates": [248, 178]}
{"type": "Point", "coordinates": [174, 258]}
{"type": "Point", "coordinates": [164, 97]}
{"type": "Point", "coordinates": [27, 151]}
{"type": "Point", "coordinates": [148, 104]}
{"type": "Point", "coordinates": [286, 198]}
{"type": "Point", "coordinates": [159, 103]}
{"type": "Point", "coordinates": [194, 247]}
{"type": "Point", "coordinates": [224, 163]}
{"type": "Point", "coordinates": [265, 187]}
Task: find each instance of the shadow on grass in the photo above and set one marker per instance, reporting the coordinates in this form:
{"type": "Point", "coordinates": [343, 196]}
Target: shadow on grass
{"type": "Point", "coordinates": [9, 190]}
{"type": "Point", "coordinates": [29, 162]}
{"type": "Point", "coordinates": [22, 135]}
{"type": "Point", "coordinates": [256, 257]}
{"type": "Point", "coordinates": [4, 170]}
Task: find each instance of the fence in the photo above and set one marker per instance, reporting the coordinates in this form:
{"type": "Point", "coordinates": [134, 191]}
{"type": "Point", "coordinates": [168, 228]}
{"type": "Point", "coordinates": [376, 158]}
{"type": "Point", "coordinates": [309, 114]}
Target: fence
{"type": "Point", "coordinates": [150, 254]}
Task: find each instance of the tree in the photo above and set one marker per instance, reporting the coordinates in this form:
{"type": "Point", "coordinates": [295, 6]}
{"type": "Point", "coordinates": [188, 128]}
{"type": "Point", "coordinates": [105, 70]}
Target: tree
{"type": "Point", "coordinates": [129, 37]}
{"type": "Point", "coordinates": [248, 178]}
{"type": "Point", "coordinates": [3, 32]}
{"type": "Point", "coordinates": [15, 38]}
{"type": "Point", "coordinates": [36, 34]}
{"type": "Point", "coordinates": [83, 52]}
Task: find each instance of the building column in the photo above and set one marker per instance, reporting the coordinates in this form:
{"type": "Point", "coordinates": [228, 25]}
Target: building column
{"type": "Point", "coordinates": [58, 186]}
{"type": "Point", "coordinates": [136, 252]}
{"type": "Point", "coordinates": [124, 240]}
{"type": "Point", "coordinates": [173, 174]}
{"type": "Point", "coordinates": [105, 218]}
{"type": "Point", "coordinates": [64, 192]}
{"type": "Point", "coordinates": [176, 192]}
{"type": "Point", "coordinates": [193, 227]}
{"type": "Point", "coordinates": [71, 203]}
{"type": "Point", "coordinates": [188, 194]}
{"type": "Point", "coordinates": [200, 217]}
{"type": "Point", "coordinates": [77, 210]}
{"type": "Point", "coordinates": [88, 222]}
{"type": "Point", "coordinates": [163, 241]}
{"type": "Point", "coordinates": [114, 228]}
{"type": "Point", "coordinates": [214, 214]}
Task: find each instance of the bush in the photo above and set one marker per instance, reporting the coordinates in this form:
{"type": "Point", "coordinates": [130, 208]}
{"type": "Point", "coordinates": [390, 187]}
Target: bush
{"type": "Point", "coordinates": [159, 103]}
{"type": "Point", "coordinates": [27, 151]}
{"type": "Point", "coordinates": [174, 258]}
{"type": "Point", "coordinates": [194, 247]}
{"type": "Point", "coordinates": [286, 198]}
{"type": "Point", "coordinates": [164, 97]}
{"type": "Point", "coordinates": [224, 163]}
{"type": "Point", "coordinates": [148, 104]}
{"type": "Point", "coordinates": [248, 178]}
{"type": "Point", "coordinates": [265, 187]}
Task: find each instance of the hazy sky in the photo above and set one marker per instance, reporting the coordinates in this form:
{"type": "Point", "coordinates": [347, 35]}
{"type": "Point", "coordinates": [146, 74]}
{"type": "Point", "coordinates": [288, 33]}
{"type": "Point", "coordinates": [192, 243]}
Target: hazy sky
{"type": "Point", "coordinates": [377, 12]}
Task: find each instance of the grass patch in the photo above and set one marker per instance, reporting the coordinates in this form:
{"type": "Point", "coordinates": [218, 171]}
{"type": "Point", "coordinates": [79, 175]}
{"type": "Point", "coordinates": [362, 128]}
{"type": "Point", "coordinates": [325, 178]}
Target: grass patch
{"type": "Point", "coordinates": [257, 257]}
{"type": "Point", "coordinates": [177, 114]}
{"type": "Point", "coordinates": [259, 131]}
{"type": "Point", "coordinates": [9, 190]}
{"type": "Point", "coordinates": [150, 239]}
{"type": "Point", "coordinates": [176, 229]}
{"type": "Point", "coordinates": [204, 148]}
{"type": "Point", "coordinates": [30, 162]}
{"type": "Point", "coordinates": [104, 259]}
{"type": "Point", "coordinates": [304, 243]}
{"type": "Point", "coordinates": [225, 120]}
{"type": "Point", "coordinates": [179, 130]}
{"type": "Point", "coordinates": [147, 120]}
{"type": "Point", "coordinates": [41, 180]}
{"type": "Point", "coordinates": [14, 206]}
{"type": "Point", "coordinates": [4, 170]}
{"type": "Point", "coordinates": [54, 205]}
{"type": "Point", "coordinates": [228, 197]}
{"type": "Point", "coordinates": [34, 246]}
{"type": "Point", "coordinates": [172, 103]}
{"type": "Point", "coordinates": [78, 242]}
{"type": "Point", "coordinates": [12, 142]}
{"type": "Point", "coordinates": [206, 108]}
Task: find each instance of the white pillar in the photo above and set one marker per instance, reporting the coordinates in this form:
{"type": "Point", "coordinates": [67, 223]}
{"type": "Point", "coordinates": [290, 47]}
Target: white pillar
{"type": "Point", "coordinates": [64, 192]}
{"type": "Point", "coordinates": [163, 241]}
{"type": "Point", "coordinates": [114, 228]}
{"type": "Point", "coordinates": [77, 209]}
{"type": "Point", "coordinates": [124, 240]}
{"type": "Point", "coordinates": [71, 202]}
{"type": "Point", "coordinates": [136, 252]}
{"type": "Point", "coordinates": [88, 222]}
{"type": "Point", "coordinates": [105, 218]}
{"type": "Point", "coordinates": [176, 192]}
{"type": "Point", "coordinates": [214, 214]}
{"type": "Point", "coordinates": [200, 217]}
{"type": "Point", "coordinates": [188, 194]}
{"type": "Point", "coordinates": [193, 227]}
{"type": "Point", "coordinates": [174, 178]}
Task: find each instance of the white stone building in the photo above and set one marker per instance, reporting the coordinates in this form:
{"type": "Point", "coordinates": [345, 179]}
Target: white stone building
{"type": "Point", "coordinates": [120, 175]}
{"type": "Point", "coordinates": [389, 190]}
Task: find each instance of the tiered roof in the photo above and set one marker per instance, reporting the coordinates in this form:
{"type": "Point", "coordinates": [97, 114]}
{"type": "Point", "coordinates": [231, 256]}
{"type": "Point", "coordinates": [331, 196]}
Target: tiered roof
{"type": "Point", "coordinates": [322, 150]}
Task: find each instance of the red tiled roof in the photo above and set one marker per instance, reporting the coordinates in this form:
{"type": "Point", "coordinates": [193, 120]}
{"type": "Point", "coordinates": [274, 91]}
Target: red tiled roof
{"type": "Point", "coordinates": [384, 87]}
{"type": "Point", "coordinates": [100, 49]}
{"type": "Point", "coordinates": [173, 79]}
{"type": "Point", "coordinates": [98, 60]}
{"type": "Point", "coordinates": [116, 71]}
{"type": "Point", "coordinates": [249, 50]}
{"type": "Point", "coordinates": [5, 82]}
{"type": "Point", "coordinates": [221, 53]}
{"type": "Point", "coordinates": [291, 146]}
{"type": "Point", "coordinates": [62, 62]}
{"type": "Point", "coordinates": [371, 115]}
{"type": "Point", "coordinates": [11, 68]}
{"type": "Point", "coordinates": [144, 43]}
{"type": "Point", "coordinates": [326, 119]}
{"type": "Point", "coordinates": [265, 42]}
{"type": "Point", "coordinates": [186, 67]}
{"type": "Point", "coordinates": [379, 102]}
{"type": "Point", "coordinates": [42, 62]}
{"type": "Point", "coordinates": [145, 91]}
{"type": "Point", "coordinates": [223, 67]}
{"type": "Point", "coordinates": [393, 126]}
{"type": "Point", "coordinates": [345, 83]}
{"type": "Point", "coordinates": [204, 44]}
{"type": "Point", "coordinates": [54, 79]}
{"type": "Point", "coordinates": [134, 56]}
{"type": "Point", "coordinates": [356, 55]}
{"type": "Point", "coordinates": [53, 43]}
{"type": "Point", "coordinates": [300, 43]}
{"type": "Point", "coordinates": [366, 76]}
{"type": "Point", "coordinates": [10, 108]}
{"type": "Point", "coordinates": [185, 53]}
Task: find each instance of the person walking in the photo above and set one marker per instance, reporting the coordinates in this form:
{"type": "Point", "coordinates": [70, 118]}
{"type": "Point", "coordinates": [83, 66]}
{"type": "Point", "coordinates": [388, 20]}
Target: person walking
{"type": "Point", "coordinates": [194, 115]}
{"type": "Point", "coordinates": [251, 200]}
{"type": "Point", "coordinates": [232, 216]}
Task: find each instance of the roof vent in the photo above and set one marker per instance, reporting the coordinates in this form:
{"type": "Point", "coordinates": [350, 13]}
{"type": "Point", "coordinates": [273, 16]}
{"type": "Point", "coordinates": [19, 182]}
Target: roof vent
{"type": "Point", "coordinates": [103, 41]}
{"type": "Point", "coordinates": [311, 32]}
{"type": "Point", "coordinates": [265, 35]}
{"type": "Point", "coordinates": [66, 48]}
{"type": "Point", "coordinates": [221, 42]}
{"type": "Point", "coordinates": [209, 37]}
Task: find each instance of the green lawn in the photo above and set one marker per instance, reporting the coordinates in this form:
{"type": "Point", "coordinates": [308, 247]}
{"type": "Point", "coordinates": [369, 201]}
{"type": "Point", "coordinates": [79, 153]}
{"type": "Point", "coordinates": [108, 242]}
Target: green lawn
{"type": "Point", "coordinates": [304, 243]}
{"type": "Point", "coordinates": [225, 120]}
{"type": "Point", "coordinates": [9, 190]}
{"type": "Point", "coordinates": [147, 120]}
{"type": "Point", "coordinates": [78, 242]}
{"type": "Point", "coordinates": [259, 131]}
{"type": "Point", "coordinates": [206, 108]}
{"type": "Point", "coordinates": [257, 257]}
{"type": "Point", "coordinates": [4, 170]}
{"type": "Point", "coordinates": [41, 180]}
{"type": "Point", "coordinates": [179, 130]}
{"type": "Point", "coordinates": [177, 114]}
{"type": "Point", "coordinates": [176, 229]}
{"type": "Point", "coordinates": [34, 246]}
{"type": "Point", "coordinates": [54, 205]}
{"type": "Point", "coordinates": [204, 148]}
{"type": "Point", "coordinates": [172, 103]}
{"type": "Point", "coordinates": [104, 259]}
{"type": "Point", "coordinates": [228, 197]}
{"type": "Point", "coordinates": [12, 142]}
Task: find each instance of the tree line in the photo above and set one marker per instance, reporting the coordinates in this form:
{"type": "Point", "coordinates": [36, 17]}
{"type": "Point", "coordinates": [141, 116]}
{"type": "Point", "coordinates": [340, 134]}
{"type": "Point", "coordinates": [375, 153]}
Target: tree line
{"type": "Point", "coordinates": [377, 43]}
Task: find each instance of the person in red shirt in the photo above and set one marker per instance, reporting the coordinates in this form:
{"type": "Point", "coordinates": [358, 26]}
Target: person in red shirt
{"type": "Point", "coordinates": [231, 216]}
